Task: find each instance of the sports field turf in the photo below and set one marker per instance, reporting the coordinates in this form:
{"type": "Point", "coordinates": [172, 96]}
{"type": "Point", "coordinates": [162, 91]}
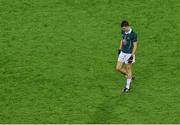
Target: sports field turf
{"type": "Point", "coordinates": [58, 57]}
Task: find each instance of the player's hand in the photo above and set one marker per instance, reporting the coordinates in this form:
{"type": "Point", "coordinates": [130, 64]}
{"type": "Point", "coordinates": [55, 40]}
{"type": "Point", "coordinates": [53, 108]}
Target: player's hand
{"type": "Point", "coordinates": [119, 51]}
{"type": "Point", "coordinates": [130, 60]}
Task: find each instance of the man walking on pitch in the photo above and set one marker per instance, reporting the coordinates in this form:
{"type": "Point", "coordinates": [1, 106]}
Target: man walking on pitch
{"type": "Point", "coordinates": [127, 49]}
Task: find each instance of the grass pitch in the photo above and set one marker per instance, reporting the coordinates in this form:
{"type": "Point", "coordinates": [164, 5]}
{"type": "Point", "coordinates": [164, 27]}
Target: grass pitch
{"type": "Point", "coordinates": [58, 57]}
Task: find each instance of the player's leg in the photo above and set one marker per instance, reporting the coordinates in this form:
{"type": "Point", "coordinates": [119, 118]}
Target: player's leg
{"type": "Point", "coordinates": [120, 64]}
{"type": "Point", "coordinates": [129, 78]}
{"type": "Point", "coordinates": [120, 68]}
{"type": "Point", "coordinates": [128, 63]}
{"type": "Point", "coordinates": [129, 75]}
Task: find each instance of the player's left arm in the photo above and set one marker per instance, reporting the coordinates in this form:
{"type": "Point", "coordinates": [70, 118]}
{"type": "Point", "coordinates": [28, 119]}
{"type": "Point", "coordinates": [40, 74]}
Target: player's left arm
{"type": "Point", "coordinates": [134, 48]}
{"type": "Point", "coordinates": [135, 44]}
{"type": "Point", "coordinates": [130, 60]}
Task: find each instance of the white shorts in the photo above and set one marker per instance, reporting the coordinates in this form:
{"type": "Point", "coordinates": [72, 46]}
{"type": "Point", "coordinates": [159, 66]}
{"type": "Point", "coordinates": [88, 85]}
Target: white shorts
{"type": "Point", "coordinates": [123, 57]}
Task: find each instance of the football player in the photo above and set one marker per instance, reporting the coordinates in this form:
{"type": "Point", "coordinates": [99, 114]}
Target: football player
{"type": "Point", "coordinates": [127, 50]}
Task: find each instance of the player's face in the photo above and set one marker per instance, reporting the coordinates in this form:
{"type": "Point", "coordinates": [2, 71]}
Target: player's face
{"type": "Point", "coordinates": [125, 28]}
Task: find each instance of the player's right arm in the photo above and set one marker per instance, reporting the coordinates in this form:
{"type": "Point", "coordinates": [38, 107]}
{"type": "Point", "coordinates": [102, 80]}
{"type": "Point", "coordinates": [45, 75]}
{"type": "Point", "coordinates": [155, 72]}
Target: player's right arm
{"type": "Point", "coordinates": [120, 47]}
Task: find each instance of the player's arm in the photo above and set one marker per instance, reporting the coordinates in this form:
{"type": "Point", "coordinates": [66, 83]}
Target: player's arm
{"type": "Point", "coordinates": [120, 47]}
{"type": "Point", "coordinates": [130, 60]}
{"type": "Point", "coordinates": [134, 48]}
{"type": "Point", "coordinates": [135, 43]}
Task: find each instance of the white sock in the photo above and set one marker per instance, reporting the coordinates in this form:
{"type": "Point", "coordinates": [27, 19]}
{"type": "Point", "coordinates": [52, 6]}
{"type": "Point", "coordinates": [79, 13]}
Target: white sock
{"type": "Point", "coordinates": [128, 83]}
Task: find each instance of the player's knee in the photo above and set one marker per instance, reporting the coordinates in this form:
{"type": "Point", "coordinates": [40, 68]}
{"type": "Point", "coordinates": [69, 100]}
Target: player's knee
{"type": "Point", "coordinates": [129, 75]}
{"type": "Point", "coordinates": [118, 68]}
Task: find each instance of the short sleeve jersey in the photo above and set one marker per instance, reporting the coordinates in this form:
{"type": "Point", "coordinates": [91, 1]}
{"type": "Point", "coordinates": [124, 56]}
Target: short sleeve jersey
{"type": "Point", "coordinates": [127, 41]}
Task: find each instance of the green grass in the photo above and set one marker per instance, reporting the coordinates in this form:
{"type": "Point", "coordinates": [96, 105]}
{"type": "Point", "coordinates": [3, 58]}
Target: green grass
{"type": "Point", "coordinates": [58, 57]}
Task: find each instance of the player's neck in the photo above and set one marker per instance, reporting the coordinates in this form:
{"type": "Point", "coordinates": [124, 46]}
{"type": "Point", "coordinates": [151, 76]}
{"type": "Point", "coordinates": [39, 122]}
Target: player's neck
{"type": "Point", "coordinates": [129, 30]}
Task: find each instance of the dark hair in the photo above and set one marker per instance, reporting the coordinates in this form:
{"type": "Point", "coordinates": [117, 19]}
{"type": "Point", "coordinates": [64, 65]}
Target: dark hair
{"type": "Point", "coordinates": [124, 23]}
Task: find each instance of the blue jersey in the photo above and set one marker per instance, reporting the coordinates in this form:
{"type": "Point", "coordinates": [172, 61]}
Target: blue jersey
{"type": "Point", "coordinates": [127, 41]}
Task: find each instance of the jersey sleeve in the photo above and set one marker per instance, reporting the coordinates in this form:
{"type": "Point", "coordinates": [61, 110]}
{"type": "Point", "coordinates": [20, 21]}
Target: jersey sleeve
{"type": "Point", "coordinates": [122, 34]}
{"type": "Point", "coordinates": [135, 38]}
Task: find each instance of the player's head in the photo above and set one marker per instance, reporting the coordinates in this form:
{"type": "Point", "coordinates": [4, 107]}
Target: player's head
{"type": "Point", "coordinates": [125, 25]}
